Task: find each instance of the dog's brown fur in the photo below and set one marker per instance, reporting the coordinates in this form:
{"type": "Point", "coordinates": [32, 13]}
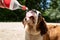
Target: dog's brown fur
{"type": "Point", "coordinates": [41, 31]}
{"type": "Point", "coordinates": [54, 32]}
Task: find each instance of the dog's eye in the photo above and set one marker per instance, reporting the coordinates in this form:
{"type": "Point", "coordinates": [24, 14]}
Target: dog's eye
{"type": "Point", "coordinates": [34, 10]}
{"type": "Point", "coordinates": [25, 18]}
{"type": "Point", "coordinates": [39, 14]}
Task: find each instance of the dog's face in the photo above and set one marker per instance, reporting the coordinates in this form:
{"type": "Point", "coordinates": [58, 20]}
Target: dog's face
{"type": "Point", "coordinates": [32, 21]}
{"type": "Point", "coordinates": [32, 17]}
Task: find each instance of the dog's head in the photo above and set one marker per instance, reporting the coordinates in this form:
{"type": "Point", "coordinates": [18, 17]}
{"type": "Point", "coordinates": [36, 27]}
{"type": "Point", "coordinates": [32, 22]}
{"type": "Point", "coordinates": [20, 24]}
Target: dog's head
{"type": "Point", "coordinates": [34, 23]}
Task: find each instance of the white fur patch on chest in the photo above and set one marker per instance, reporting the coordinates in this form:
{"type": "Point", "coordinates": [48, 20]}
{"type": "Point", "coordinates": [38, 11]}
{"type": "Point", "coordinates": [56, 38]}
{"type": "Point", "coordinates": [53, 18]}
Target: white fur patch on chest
{"type": "Point", "coordinates": [33, 37]}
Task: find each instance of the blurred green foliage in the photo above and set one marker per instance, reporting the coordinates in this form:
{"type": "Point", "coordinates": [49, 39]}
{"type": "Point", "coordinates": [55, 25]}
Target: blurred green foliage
{"type": "Point", "coordinates": [9, 16]}
{"type": "Point", "coordinates": [51, 14]}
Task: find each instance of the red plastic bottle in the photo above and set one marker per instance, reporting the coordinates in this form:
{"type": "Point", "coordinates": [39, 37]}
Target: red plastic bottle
{"type": "Point", "coordinates": [7, 3]}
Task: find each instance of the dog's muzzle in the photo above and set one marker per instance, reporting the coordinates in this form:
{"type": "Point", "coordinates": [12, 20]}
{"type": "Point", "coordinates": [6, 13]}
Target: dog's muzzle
{"type": "Point", "coordinates": [30, 15]}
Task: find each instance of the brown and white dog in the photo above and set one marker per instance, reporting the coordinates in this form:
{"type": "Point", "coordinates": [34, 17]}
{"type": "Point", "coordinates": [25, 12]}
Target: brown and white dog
{"type": "Point", "coordinates": [37, 29]}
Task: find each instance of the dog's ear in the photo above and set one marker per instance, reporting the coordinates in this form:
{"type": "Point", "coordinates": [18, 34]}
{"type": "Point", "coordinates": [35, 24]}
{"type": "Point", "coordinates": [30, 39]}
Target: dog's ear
{"type": "Point", "coordinates": [42, 26]}
{"type": "Point", "coordinates": [24, 22]}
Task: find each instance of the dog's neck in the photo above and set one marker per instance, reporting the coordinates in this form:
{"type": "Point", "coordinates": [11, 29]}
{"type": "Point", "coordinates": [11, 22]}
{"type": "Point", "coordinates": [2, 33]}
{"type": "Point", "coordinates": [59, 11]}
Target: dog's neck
{"type": "Point", "coordinates": [33, 37]}
{"type": "Point", "coordinates": [31, 30]}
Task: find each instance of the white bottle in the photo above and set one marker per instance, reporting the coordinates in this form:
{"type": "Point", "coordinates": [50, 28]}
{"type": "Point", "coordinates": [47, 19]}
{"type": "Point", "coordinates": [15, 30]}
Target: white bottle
{"type": "Point", "coordinates": [14, 4]}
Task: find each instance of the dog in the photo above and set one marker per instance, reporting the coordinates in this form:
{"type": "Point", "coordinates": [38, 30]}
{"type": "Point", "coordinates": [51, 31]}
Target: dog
{"type": "Point", "coordinates": [37, 29]}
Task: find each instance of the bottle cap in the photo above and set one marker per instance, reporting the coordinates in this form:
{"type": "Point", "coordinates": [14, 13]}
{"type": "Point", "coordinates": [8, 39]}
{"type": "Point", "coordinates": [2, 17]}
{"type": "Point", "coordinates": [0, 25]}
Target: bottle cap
{"type": "Point", "coordinates": [24, 8]}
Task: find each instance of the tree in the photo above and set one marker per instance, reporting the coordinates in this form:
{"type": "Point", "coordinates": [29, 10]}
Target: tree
{"type": "Point", "coordinates": [54, 11]}
{"type": "Point", "coordinates": [50, 10]}
{"type": "Point", "coordinates": [33, 4]}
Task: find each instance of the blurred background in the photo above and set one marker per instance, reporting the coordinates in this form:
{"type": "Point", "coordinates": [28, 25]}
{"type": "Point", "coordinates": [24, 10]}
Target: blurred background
{"type": "Point", "coordinates": [50, 10]}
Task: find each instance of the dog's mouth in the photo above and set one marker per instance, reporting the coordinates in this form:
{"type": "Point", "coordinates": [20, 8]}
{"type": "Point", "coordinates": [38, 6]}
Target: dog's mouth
{"type": "Point", "coordinates": [30, 15]}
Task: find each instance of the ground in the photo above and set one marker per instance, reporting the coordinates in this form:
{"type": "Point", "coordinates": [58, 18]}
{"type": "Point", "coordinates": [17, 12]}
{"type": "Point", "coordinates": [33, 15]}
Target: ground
{"type": "Point", "coordinates": [13, 30]}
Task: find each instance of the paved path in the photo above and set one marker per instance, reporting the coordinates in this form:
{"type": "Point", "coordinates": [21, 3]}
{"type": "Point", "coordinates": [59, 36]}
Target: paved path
{"type": "Point", "coordinates": [13, 30]}
{"type": "Point", "coordinates": [53, 23]}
